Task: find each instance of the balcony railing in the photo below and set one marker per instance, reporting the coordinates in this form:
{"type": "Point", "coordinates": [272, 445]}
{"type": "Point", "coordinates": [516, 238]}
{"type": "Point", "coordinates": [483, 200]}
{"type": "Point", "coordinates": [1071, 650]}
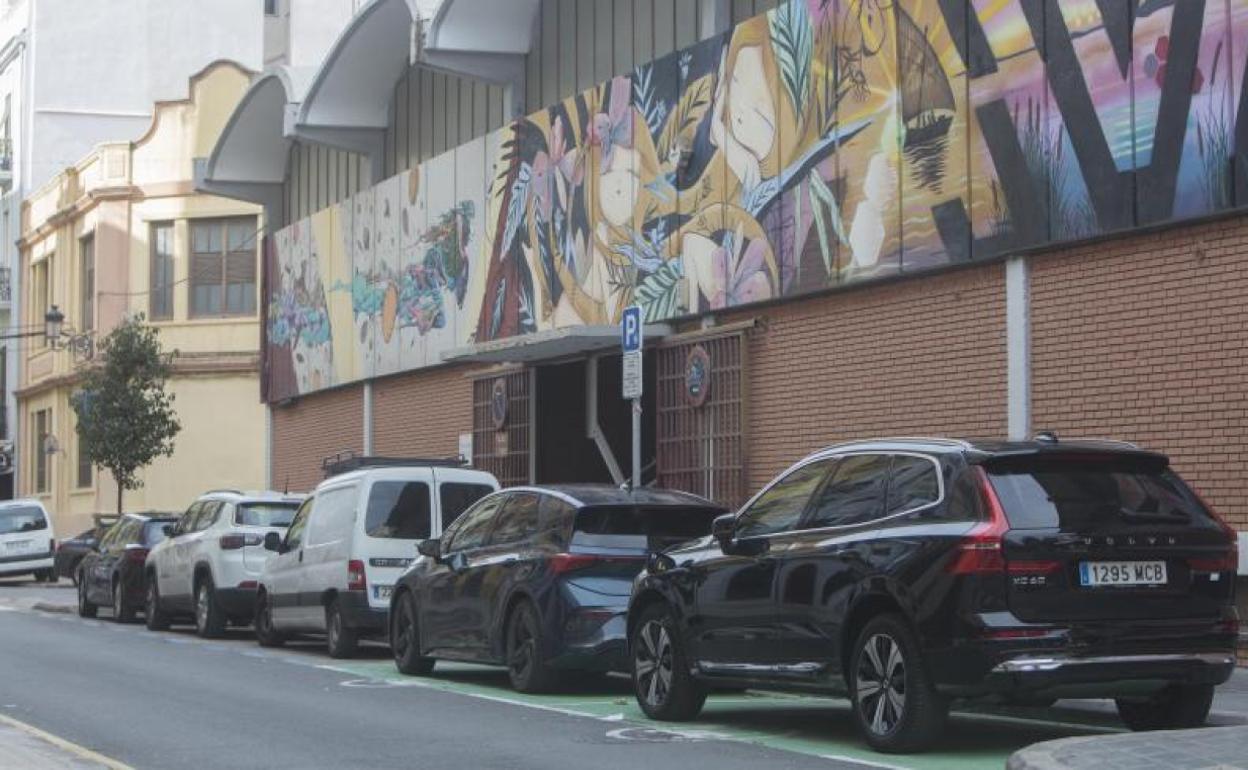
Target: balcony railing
{"type": "Point", "coordinates": [6, 285]}
{"type": "Point", "coordinates": [6, 161]}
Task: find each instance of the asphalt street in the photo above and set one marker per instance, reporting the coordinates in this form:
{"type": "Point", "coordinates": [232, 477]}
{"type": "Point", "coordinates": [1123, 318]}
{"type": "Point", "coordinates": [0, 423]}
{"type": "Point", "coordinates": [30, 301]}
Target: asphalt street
{"type": "Point", "coordinates": [171, 700]}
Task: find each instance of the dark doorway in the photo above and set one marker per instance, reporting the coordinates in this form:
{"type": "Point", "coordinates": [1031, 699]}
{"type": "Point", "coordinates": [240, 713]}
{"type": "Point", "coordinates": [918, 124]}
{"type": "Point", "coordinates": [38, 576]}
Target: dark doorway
{"type": "Point", "coordinates": [565, 452]}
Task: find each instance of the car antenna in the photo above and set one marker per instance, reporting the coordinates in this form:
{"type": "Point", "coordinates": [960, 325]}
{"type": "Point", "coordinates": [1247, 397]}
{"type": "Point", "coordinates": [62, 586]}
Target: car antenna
{"type": "Point", "coordinates": [286, 488]}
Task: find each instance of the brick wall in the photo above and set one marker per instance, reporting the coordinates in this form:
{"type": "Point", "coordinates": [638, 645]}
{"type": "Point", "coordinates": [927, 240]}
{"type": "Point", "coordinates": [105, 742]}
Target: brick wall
{"type": "Point", "coordinates": [422, 414]}
{"type": "Point", "coordinates": [917, 357]}
{"type": "Point", "coordinates": [312, 428]}
{"type": "Point", "coordinates": [1144, 339]}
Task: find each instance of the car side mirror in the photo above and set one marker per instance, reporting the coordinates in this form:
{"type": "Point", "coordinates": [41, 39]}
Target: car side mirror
{"type": "Point", "coordinates": [431, 548]}
{"type": "Point", "coordinates": [273, 542]}
{"type": "Point", "coordinates": [169, 529]}
{"type": "Point", "coordinates": [723, 529]}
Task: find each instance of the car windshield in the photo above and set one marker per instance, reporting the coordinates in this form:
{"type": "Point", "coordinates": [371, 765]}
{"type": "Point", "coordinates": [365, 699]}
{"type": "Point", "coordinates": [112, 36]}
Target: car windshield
{"type": "Point", "coordinates": [648, 527]}
{"type": "Point", "coordinates": [1078, 495]}
{"type": "Point", "coordinates": [26, 518]}
{"type": "Point", "coordinates": [265, 514]}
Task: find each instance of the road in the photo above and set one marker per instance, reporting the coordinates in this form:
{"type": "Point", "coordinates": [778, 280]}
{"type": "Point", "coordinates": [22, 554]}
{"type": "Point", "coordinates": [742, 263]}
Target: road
{"type": "Point", "coordinates": [171, 700]}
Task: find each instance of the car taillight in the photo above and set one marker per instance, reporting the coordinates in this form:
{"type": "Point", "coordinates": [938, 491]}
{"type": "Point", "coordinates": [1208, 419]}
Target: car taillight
{"type": "Point", "coordinates": [979, 553]}
{"type": "Point", "coordinates": [236, 540]}
{"type": "Point", "coordinates": [357, 580]}
{"type": "Point", "coordinates": [1227, 562]}
{"type": "Point", "coordinates": [1232, 556]}
{"type": "Point", "coordinates": [1019, 633]}
{"type": "Point", "coordinates": [562, 563]}
{"type": "Point", "coordinates": [136, 554]}
{"type": "Point", "coordinates": [248, 584]}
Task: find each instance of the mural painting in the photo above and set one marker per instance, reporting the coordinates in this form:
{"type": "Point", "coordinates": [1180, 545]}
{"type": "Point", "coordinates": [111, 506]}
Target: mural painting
{"type": "Point", "coordinates": [823, 143]}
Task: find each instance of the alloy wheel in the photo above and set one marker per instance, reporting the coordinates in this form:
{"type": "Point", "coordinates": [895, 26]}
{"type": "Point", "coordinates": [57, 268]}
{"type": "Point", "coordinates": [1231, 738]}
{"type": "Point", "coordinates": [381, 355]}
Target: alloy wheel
{"type": "Point", "coordinates": [523, 646]}
{"type": "Point", "coordinates": [117, 602]}
{"type": "Point", "coordinates": [404, 630]}
{"type": "Point", "coordinates": [652, 663]}
{"type": "Point", "coordinates": [881, 684]}
{"type": "Point", "coordinates": [201, 609]}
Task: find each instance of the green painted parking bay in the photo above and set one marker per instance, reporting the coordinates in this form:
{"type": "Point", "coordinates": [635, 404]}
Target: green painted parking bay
{"type": "Point", "coordinates": [806, 724]}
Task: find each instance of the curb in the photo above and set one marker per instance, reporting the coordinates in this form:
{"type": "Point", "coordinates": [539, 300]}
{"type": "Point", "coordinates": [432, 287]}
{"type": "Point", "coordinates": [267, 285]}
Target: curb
{"type": "Point", "coordinates": [1056, 754]}
{"type": "Point", "coordinates": [65, 609]}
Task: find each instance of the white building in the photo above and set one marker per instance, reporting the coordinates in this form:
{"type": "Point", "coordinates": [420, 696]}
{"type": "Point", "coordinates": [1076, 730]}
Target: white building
{"type": "Point", "coordinates": [76, 73]}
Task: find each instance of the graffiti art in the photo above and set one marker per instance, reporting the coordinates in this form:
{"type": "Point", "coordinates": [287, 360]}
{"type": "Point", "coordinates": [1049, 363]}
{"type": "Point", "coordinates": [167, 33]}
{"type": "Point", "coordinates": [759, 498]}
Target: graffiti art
{"type": "Point", "coordinates": [823, 143]}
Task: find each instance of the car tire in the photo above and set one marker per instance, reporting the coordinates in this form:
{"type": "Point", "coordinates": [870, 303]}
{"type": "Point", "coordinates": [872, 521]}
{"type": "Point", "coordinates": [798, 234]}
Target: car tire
{"type": "Point", "coordinates": [662, 681]}
{"type": "Point", "coordinates": [1177, 707]}
{"type": "Point", "coordinates": [209, 619]}
{"type": "Point", "coordinates": [122, 611]}
{"type": "Point", "coordinates": [85, 608]}
{"type": "Point", "coordinates": [266, 634]}
{"type": "Point", "coordinates": [153, 616]}
{"type": "Point", "coordinates": [405, 639]}
{"type": "Point", "coordinates": [341, 641]}
{"type": "Point", "coordinates": [523, 648]}
{"type": "Point", "coordinates": [45, 576]}
{"type": "Point", "coordinates": [895, 705]}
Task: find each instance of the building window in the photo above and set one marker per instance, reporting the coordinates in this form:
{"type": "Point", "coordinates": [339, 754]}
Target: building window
{"type": "Point", "coordinates": [85, 469]}
{"type": "Point", "coordinates": [223, 267]}
{"type": "Point", "coordinates": [86, 298]}
{"type": "Point", "coordinates": [39, 437]}
{"type": "Point", "coordinates": [161, 271]}
{"type": "Point", "coordinates": [270, 7]}
{"type": "Point", "coordinates": [40, 296]}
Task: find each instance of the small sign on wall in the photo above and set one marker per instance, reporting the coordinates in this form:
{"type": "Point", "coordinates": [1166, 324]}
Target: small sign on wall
{"type": "Point", "coordinates": [500, 443]}
{"type": "Point", "coordinates": [465, 447]}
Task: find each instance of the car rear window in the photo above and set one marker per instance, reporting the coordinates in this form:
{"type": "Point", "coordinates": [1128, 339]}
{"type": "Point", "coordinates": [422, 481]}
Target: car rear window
{"type": "Point", "coordinates": [398, 509]}
{"type": "Point", "coordinates": [265, 514]}
{"type": "Point", "coordinates": [26, 518]}
{"type": "Point", "coordinates": [154, 531]}
{"type": "Point", "coordinates": [652, 528]}
{"type": "Point", "coordinates": [1076, 496]}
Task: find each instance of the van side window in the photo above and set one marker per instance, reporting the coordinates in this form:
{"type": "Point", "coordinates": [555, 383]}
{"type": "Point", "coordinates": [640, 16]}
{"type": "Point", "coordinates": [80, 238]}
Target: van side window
{"type": "Point", "coordinates": [518, 520]}
{"type": "Point", "coordinates": [458, 497]}
{"type": "Point", "coordinates": [398, 509]}
{"type": "Point", "coordinates": [294, 535]}
{"type": "Point", "coordinates": [333, 515]}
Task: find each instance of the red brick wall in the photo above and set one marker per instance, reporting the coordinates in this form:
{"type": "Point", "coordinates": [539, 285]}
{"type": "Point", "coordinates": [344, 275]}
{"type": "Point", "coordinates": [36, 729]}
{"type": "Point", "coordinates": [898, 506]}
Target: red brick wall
{"type": "Point", "coordinates": [422, 414]}
{"type": "Point", "coordinates": [917, 357]}
{"type": "Point", "coordinates": [312, 428]}
{"type": "Point", "coordinates": [1144, 339]}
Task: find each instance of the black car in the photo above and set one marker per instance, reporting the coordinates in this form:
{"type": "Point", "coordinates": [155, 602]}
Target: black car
{"type": "Point", "coordinates": [112, 574]}
{"type": "Point", "coordinates": [911, 572]}
{"type": "Point", "coordinates": [537, 579]}
{"type": "Point", "coordinates": [70, 552]}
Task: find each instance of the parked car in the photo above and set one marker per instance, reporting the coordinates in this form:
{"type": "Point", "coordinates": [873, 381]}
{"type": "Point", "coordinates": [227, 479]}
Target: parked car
{"type": "Point", "coordinates": [69, 552]}
{"type": "Point", "coordinates": [537, 579]}
{"type": "Point", "coordinates": [910, 572]}
{"type": "Point", "coordinates": [334, 570]}
{"type": "Point", "coordinates": [209, 566]}
{"type": "Point", "coordinates": [27, 540]}
{"type": "Point", "coordinates": [111, 575]}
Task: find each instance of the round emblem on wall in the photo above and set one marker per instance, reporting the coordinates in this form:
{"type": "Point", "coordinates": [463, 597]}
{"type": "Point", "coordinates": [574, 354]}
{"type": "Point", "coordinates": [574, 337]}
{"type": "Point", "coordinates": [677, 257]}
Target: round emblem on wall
{"type": "Point", "coordinates": [499, 403]}
{"type": "Point", "coordinates": [697, 376]}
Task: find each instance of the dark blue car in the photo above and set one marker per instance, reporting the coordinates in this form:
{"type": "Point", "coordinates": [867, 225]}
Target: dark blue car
{"type": "Point", "coordinates": [537, 579]}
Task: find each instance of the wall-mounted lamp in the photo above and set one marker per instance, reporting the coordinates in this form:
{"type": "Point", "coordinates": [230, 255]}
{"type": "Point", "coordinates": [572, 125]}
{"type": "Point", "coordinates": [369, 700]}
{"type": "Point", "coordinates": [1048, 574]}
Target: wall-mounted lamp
{"type": "Point", "coordinates": [57, 336]}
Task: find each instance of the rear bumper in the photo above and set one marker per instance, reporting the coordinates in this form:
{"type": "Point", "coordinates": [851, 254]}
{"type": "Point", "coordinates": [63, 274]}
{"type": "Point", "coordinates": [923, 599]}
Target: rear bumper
{"type": "Point", "coordinates": [357, 613]}
{"type": "Point", "coordinates": [600, 649]}
{"type": "Point", "coordinates": [26, 563]}
{"type": "Point", "coordinates": [1049, 672]}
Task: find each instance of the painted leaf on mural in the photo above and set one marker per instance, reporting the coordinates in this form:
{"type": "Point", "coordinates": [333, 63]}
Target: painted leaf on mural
{"type": "Point", "coordinates": [659, 293]}
{"type": "Point", "coordinates": [692, 107]}
{"type": "Point", "coordinates": [794, 42]}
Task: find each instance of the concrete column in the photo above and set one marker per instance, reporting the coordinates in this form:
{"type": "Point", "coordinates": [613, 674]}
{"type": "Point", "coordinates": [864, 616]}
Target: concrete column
{"type": "Point", "coordinates": [1018, 348]}
{"type": "Point", "coordinates": [368, 418]}
{"type": "Point", "coordinates": [268, 446]}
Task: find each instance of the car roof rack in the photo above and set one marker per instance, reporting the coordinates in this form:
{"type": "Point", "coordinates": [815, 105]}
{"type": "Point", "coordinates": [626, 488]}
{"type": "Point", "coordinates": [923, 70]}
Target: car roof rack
{"type": "Point", "coordinates": [347, 461]}
{"type": "Point", "coordinates": [224, 492]}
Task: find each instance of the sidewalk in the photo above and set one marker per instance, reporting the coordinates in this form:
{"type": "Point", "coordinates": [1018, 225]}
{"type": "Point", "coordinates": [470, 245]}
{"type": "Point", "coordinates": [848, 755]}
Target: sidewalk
{"type": "Point", "coordinates": [23, 748]}
{"type": "Point", "coordinates": [1220, 748]}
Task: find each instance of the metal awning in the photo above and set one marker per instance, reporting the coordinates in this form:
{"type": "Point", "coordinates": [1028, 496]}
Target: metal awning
{"type": "Point", "coordinates": [548, 345]}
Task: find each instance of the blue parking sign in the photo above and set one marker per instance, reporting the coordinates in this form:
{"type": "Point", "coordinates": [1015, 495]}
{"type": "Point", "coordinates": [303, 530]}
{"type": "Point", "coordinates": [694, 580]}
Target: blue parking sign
{"type": "Point", "coordinates": [630, 329]}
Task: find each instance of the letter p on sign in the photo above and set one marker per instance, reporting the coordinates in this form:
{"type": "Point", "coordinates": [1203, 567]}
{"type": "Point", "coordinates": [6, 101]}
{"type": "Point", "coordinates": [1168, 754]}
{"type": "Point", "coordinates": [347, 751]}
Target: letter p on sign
{"type": "Point", "coordinates": [630, 329]}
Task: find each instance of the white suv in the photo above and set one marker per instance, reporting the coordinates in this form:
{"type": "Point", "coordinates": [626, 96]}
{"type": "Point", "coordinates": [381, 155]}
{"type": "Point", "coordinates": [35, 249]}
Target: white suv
{"type": "Point", "coordinates": [334, 569]}
{"type": "Point", "coordinates": [27, 541]}
{"type": "Point", "coordinates": [209, 566]}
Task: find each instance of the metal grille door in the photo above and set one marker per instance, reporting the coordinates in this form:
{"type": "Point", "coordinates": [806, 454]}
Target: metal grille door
{"type": "Point", "coordinates": [701, 420]}
{"type": "Point", "coordinates": [501, 433]}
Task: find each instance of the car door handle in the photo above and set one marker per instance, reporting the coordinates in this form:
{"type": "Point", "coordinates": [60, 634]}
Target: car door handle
{"type": "Point", "coordinates": [301, 557]}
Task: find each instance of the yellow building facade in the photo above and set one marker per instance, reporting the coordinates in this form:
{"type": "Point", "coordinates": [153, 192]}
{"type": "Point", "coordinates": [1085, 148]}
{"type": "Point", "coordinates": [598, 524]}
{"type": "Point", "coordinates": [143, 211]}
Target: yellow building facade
{"type": "Point", "coordinates": [123, 232]}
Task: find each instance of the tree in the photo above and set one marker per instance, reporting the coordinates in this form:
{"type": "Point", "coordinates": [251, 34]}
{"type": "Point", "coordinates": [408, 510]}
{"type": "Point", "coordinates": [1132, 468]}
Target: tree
{"type": "Point", "coordinates": [125, 416]}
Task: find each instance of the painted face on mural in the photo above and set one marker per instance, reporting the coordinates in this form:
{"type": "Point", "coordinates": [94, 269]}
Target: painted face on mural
{"type": "Point", "coordinates": [751, 108]}
{"type": "Point", "coordinates": [617, 187]}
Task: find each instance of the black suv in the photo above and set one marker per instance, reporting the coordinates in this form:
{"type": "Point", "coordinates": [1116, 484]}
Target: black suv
{"type": "Point", "coordinates": [913, 571]}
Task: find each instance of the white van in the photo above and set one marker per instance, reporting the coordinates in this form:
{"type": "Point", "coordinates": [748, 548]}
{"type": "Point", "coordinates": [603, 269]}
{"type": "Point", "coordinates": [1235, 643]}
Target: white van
{"type": "Point", "coordinates": [336, 565]}
{"type": "Point", "coordinates": [27, 540]}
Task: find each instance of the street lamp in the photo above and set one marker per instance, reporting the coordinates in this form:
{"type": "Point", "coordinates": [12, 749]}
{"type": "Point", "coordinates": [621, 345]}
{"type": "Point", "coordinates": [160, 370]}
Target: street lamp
{"type": "Point", "coordinates": [53, 324]}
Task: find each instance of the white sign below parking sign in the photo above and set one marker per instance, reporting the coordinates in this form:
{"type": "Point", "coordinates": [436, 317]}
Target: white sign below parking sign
{"type": "Point", "coordinates": [633, 384]}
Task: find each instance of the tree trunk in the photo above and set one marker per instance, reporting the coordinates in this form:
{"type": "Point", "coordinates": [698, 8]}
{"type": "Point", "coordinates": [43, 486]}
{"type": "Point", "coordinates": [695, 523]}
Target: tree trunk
{"type": "Point", "coordinates": [120, 490]}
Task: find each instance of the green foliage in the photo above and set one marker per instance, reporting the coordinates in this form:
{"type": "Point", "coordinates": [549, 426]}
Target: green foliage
{"type": "Point", "coordinates": [793, 39]}
{"type": "Point", "coordinates": [659, 294]}
{"type": "Point", "coordinates": [125, 416]}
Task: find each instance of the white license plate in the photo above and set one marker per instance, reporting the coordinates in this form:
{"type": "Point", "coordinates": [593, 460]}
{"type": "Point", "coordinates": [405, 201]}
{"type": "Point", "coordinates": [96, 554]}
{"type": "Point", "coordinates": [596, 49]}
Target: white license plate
{"type": "Point", "coordinates": [382, 592]}
{"type": "Point", "coordinates": [1122, 573]}
{"type": "Point", "coordinates": [17, 546]}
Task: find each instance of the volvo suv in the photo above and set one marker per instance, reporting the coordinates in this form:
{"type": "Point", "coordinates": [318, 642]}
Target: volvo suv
{"type": "Point", "coordinates": [908, 573]}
